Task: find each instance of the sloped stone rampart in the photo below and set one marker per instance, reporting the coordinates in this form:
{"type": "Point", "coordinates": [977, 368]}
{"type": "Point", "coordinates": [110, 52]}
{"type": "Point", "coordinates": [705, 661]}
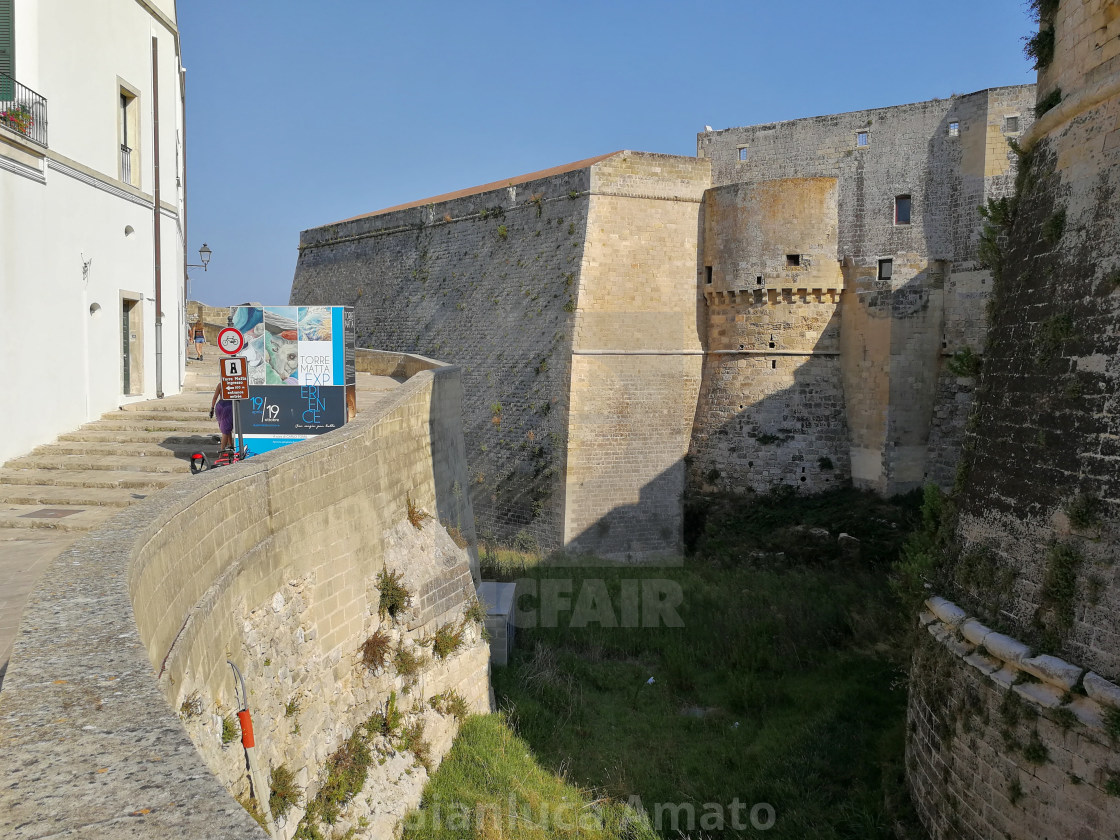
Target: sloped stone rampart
{"type": "Point", "coordinates": [121, 657]}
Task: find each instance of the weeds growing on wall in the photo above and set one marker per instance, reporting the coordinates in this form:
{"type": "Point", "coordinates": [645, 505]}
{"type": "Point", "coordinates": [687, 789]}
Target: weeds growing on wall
{"type": "Point", "coordinates": [407, 662]}
{"type": "Point", "coordinates": [1056, 597]}
{"type": "Point", "coordinates": [416, 516]}
{"type": "Point", "coordinates": [1040, 47]}
{"type": "Point", "coordinates": [1053, 333]}
{"type": "Point", "coordinates": [346, 772]}
{"type": "Point", "coordinates": [394, 597]}
{"type": "Point", "coordinates": [387, 721]}
{"type": "Point", "coordinates": [1084, 511]}
{"type": "Point", "coordinates": [284, 793]}
{"type": "Point", "coordinates": [412, 739]}
{"type": "Point", "coordinates": [1054, 227]}
{"type": "Point", "coordinates": [964, 363]}
{"type": "Point", "coordinates": [1048, 102]}
{"type": "Point", "coordinates": [451, 702]}
{"type": "Point", "coordinates": [447, 639]}
{"type": "Point", "coordinates": [231, 729]}
{"type": "Point", "coordinates": [376, 650]}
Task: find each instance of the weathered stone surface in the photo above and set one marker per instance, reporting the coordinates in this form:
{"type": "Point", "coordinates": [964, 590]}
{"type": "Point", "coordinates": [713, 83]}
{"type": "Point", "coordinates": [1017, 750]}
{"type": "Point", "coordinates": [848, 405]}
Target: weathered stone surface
{"type": "Point", "coordinates": [1104, 692]}
{"type": "Point", "coordinates": [974, 631]}
{"type": "Point", "coordinates": [947, 611]}
{"type": "Point", "coordinates": [1053, 670]}
{"type": "Point", "coordinates": [1006, 648]}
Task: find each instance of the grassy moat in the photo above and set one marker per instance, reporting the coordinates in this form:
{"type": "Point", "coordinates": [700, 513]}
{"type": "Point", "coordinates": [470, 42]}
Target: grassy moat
{"type": "Point", "coordinates": [776, 710]}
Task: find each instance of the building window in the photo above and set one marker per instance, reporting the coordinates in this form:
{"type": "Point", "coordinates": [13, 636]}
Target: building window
{"type": "Point", "coordinates": [902, 210]}
{"type": "Point", "coordinates": [742, 153]}
{"type": "Point", "coordinates": [1011, 125]}
{"type": "Point", "coordinates": [886, 268]}
{"type": "Point", "coordinates": [7, 47]}
{"type": "Point", "coordinates": [708, 274]}
{"type": "Point", "coordinates": [861, 138]}
{"type": "Point", "coordinates": [128, 132]}
{"type": "Point", "coordinates": [793, 260]}
{"type": "Point", "coordinates": [954, 129]}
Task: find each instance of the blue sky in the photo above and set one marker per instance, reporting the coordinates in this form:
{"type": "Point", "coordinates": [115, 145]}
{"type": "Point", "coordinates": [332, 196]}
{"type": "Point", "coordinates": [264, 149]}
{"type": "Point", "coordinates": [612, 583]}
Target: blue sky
{"type": "Point", "coordinates": [299, 114]}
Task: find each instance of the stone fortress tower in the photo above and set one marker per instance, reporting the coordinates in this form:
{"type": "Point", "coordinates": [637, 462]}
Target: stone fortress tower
{"type": "Point", "coordinates": [1014, 705]}
{"type": "Point", "coordinates": [840, 272]}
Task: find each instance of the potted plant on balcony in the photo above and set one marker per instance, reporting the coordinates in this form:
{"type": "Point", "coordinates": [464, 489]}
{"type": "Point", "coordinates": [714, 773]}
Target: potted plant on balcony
{"type": "Point", "coordinates": [17, 118]}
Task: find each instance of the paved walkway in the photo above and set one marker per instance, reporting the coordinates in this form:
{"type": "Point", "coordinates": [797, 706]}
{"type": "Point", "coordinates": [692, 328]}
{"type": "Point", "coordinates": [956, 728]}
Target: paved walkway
{"type": "Point", "coordinates": [59, 491]}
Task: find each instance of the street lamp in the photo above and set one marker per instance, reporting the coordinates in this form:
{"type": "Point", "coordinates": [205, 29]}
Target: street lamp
{"type": "Point", "coordinates": [203, 254]}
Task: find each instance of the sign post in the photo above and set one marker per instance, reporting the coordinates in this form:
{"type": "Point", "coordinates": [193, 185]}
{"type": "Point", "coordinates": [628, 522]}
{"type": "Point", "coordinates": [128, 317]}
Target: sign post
{"type": "Point", "coordinates": [235, 378]}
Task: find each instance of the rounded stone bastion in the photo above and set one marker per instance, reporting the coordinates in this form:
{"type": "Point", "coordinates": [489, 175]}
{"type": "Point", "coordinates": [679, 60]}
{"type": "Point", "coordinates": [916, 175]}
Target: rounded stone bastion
{"type": "Point", "coordinates": [118, 710]}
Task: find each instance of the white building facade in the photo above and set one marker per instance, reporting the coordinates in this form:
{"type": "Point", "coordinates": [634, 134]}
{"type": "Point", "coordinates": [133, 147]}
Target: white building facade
{"type": "Point", "coordinates": [92, 211]}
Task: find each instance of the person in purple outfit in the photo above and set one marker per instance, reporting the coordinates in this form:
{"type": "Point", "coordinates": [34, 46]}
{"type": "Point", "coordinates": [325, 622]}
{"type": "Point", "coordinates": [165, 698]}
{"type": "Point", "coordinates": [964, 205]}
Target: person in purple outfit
{"type": "Point", "coordinates": [224, 410]}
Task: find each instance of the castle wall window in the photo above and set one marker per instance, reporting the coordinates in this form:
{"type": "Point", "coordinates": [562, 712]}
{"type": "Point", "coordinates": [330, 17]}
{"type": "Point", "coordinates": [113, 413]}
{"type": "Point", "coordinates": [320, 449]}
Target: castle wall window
{"type": "Point", "coordinates": [793, 260]}
{"type": "Point", "coordinates": [954, 129]}
{"type": "Point", "coordinates": [862, 138]}
{"type": "Point", "coordinates": [886, 269]}
{"type": "Point", "coordinates": [1011, 125]}
{"type": "Point", "coordinates": [708, 275]}
{"type": "Point", "coordinates": [902, 210]}
{"type": "Point", "coordinates": [742, 153]}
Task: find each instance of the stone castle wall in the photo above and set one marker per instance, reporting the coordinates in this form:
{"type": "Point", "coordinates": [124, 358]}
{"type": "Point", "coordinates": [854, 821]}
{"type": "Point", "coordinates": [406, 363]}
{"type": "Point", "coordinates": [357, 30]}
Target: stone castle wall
{"type": "Point", "coordinates": [636, 356]}
{"type": "Point", "coordinates": [569, 298]}
{"type": "Point", "coordinates": [118, 684]}
{"type": "Point", "coordinates": [1035, 537]}
{"type": "Point", "coordinates": [487, 280]}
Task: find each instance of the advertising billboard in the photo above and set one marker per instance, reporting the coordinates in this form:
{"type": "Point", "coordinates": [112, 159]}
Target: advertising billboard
{"type": "Point", "coordinates": [300, 369]}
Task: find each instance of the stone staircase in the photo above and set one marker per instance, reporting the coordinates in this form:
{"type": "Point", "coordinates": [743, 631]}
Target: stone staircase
{"type": "Point", "coordinates": [87, 475]}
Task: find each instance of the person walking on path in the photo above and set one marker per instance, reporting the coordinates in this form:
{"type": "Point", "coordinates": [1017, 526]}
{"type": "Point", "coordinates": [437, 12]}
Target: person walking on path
{"type": "Point", "coordinates": [224, 410]}
{"type": "Point", "coordinates": [199, 339]}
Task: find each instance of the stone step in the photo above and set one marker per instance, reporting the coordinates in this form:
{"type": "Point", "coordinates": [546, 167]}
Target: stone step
{"type": "Point", "coordinates": [99, 462]}
{"type": "Point", "coordinates": [53, 495]}
{"type": "Point", "coordinates": [125, 479]}
{"type": "Point", "coordinates": [128, 449]}
{"type": "Point", "coordinates": [179, 414]}
{"type": "Point", "coordinates": [201, 425]}
{"type": "Point", "coordinates": [137, 434]}
{"type": "Point", "coordinates": [56, 517]}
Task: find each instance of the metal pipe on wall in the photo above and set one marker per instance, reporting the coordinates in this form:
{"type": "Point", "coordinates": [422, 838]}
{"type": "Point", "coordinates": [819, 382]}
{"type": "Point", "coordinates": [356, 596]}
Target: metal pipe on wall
{"type": "Point", "coordinates": [156, 219]}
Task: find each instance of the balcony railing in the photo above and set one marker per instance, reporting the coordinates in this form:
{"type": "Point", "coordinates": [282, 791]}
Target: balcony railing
{"type": "Point", "coordinates": [22, 110]}
{"type": "Point", "coordinates": [126, 164]}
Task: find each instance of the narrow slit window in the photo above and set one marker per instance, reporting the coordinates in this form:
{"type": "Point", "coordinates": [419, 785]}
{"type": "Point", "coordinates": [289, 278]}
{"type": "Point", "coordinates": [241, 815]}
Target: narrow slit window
{"type": "Point", "coordinates": [773, 364]}
{"type": "Point", "coordinates": [954, 129]}
{"type": "Point", "coordinates": [793, 260]}
{"type": "Point", "coordinates": [861, 138]}
{"type": "Point", "coordinates": [886, 269]}
{"type": "Point", "coordinates": [708, 275]}
{"type": "Point", "coordinates": [758, 280]}
{"type": "Point", "coordinates": [902, 210]}
{"type": "Point", "coordinates": [742, 153]}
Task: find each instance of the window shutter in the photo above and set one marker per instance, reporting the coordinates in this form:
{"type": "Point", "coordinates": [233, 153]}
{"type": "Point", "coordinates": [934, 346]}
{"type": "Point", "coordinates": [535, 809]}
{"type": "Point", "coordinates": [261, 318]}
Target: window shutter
{"type": "Point", "coordinates": [7, 48]}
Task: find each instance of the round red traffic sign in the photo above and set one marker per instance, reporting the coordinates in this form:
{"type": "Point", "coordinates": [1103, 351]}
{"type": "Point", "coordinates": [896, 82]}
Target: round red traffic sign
{"type": "Point", "coordinates": [230, 341]}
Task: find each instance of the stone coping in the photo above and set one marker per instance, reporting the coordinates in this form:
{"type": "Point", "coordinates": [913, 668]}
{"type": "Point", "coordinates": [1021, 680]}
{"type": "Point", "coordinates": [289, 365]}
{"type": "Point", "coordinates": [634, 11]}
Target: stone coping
{"type": "Point", "coordinates": [1044, 680]}
{"type": "Point", "coordinates": [88, 744]}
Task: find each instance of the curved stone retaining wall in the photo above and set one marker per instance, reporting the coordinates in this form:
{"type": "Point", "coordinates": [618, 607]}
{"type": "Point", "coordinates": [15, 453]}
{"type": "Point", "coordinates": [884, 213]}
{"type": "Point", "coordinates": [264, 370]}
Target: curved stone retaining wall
{"type": "Point", "coordinates": [1004, 743]}
{"type": "Point", "coordinates": [112, 707]}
